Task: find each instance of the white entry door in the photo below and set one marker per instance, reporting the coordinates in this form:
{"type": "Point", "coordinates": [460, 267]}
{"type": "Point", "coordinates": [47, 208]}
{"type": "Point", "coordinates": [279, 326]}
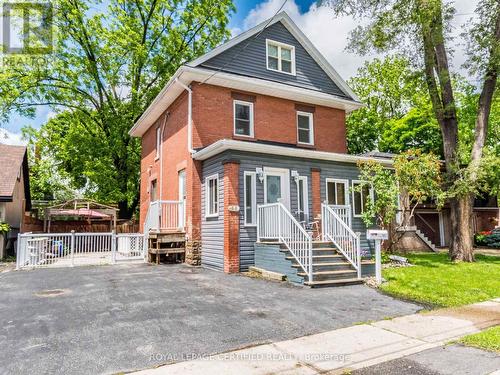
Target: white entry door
{"type": "Point", "coordinates": [182, 197]}
{"type": "Point", "coordinates": [277, 186]}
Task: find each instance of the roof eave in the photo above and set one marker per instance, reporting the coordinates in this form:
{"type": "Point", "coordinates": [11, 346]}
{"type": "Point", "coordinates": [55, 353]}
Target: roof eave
{"type": "Point", "coordinates": [229, 144]}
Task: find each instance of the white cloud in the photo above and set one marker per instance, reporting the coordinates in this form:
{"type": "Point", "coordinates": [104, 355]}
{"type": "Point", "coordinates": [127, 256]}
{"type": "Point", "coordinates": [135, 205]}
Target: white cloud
{"type": "Point", "coordinates": [9, 138]}
{"type": "Point", "coordinates": [330, 34]}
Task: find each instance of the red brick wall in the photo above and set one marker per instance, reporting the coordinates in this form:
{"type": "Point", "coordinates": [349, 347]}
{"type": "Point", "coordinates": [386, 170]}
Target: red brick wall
{"type": "Point", "coordinates": [316, 191]}
{"type": "Point", "coordinates": [175, 155]}
{"type": "Point", "coordinates": [274, 120]}
{"type": "Point", "coordinates": [231, 219]}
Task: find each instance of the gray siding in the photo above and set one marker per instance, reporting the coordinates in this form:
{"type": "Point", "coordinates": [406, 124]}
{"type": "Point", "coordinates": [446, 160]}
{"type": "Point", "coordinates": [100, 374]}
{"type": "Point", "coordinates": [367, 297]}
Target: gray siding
{"type": "Point", "coordinates": [212, 229]}
{"type": "Point", "coordinates": [251, 62]}
{"type": "Point", "coordinates": [249, 162]}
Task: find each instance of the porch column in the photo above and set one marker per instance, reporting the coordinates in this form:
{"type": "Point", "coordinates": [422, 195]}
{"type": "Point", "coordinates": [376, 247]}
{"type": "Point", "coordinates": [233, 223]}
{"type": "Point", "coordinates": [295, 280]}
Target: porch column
{"type": "Point", "coordinates": [193, 212]}
{"type": "Point", "coordinates": [316, 191]}
{"type": "Point", "coordinates": [231, 216]}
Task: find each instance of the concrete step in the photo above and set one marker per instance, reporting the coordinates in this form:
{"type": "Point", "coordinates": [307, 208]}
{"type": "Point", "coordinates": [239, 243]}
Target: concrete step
{"type": "Point", "coordinates": [327, 283]}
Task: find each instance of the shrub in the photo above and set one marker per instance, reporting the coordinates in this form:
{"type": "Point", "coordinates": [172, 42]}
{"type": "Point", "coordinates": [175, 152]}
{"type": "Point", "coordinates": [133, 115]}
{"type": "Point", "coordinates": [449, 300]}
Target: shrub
{"type": "Point", "coordinates": [493, 239]}
{"type": "Point", "coordinates": [479, 238]}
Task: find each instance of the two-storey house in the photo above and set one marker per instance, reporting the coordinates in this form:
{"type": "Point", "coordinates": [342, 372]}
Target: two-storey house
{"type": "Point", "coordinates": [245, 151]}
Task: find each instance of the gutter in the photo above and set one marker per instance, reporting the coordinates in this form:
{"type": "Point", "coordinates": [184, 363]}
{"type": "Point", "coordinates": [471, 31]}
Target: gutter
{"type": "Point", "coordinates": [229, 144]}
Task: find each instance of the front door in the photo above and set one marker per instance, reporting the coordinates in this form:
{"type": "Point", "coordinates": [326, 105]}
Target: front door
{"type": "Point", "coordinates": [182, 197]}
{"type": "Point", "coordinates": [277, 186]}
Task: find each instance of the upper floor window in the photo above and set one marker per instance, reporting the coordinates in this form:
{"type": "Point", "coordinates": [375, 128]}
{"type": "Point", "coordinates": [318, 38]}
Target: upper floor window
{"type": "Point", "coordinates": [243, 118]}
{"type": "Point", "coordinates": [280, 57]}
{"type": "Point", "coordinates": [360, 198]}
{"type": "Point", "coordinates": [158, 142]}
{"type": "Point", "coordinates": [305, 128]}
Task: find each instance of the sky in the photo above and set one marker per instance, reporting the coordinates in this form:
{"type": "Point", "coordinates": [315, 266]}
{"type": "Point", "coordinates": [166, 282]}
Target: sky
{"type": "Point", "coordinates": [327, 33]}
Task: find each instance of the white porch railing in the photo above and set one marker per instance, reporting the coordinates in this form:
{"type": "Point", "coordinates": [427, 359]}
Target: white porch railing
{"type": "Point", "coordinates": [165, 215]}
{"type": "Point", "coordinates": [343, 211]}
{"type": "Point", "coordinates": [275, 222]}
{"type": "Point", "coordinates": [336, 230]}
{"type": "Point", "coordinates": [73, 249]}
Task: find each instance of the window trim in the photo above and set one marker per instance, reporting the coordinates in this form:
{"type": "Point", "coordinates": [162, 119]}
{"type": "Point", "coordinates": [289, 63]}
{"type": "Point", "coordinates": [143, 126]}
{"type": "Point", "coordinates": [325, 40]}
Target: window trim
{"type": "Point", "coordinates": [370, 192]}
{"type": "Point", "coordinates": [250, 105]}
{"type": "Point", "coordinates": [311, 127]}
{"type": "Point", "coordinates": [280, 45]}
{"type": "Point", "coordinates": [158, 142]}
{"type": "Point", "coordinates": [254, 199]}
{"type": "Point", "coordinates": [306, 191]}
{"type": "Point", "coordinates": [346, 189]}
{"type": "Point", "coordinates": [207, 195]}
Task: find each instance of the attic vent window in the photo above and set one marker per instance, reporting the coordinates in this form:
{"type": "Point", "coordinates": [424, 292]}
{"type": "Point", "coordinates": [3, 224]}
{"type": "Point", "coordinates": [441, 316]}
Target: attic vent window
{"type": "Point", "coordinates": [280, 57]}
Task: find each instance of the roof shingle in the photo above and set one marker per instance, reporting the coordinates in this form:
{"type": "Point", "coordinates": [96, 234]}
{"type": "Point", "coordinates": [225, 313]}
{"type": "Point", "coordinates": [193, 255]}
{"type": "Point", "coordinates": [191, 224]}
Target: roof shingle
{"type": "Point", "coordinates": [11, 161]}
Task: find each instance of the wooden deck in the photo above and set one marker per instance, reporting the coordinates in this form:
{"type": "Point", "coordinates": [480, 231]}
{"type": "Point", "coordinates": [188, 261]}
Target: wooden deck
{"type": "Point", "coordinates": [171, 245]}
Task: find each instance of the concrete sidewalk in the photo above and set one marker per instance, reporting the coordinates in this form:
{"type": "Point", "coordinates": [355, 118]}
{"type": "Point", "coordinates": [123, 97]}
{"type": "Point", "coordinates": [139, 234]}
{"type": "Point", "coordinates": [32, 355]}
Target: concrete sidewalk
{"type": "Point", "coordinates": [347, 348]}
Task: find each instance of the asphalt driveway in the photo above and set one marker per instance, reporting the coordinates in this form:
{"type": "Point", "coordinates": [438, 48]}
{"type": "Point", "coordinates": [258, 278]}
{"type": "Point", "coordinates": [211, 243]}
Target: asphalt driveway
{"type": "Point", "coordinates": [108, 319]}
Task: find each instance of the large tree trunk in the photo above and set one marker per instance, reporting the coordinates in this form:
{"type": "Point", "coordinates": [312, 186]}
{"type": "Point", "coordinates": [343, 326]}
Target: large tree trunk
{"type": "Point", "coordinates": [461, 244]}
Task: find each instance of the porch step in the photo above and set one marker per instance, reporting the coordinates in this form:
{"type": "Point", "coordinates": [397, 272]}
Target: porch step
{"type": "Point", "coordinates": [328, 266]}
{"type": "Point", "coordinates": [322, 244]}
{"type": "Point", "coordinates": [340, 282]}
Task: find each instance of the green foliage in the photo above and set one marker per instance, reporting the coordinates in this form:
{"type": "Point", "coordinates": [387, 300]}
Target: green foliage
{"type": "Point", "coordinates": [106, 68]}
{"type": "Point", "coordinates": [416, 178]}
{"type": "Point", "coordinates": [488, 339]}
{"type": "Point", "coordinates": [388, 87]}
{"type": "Point", "coordinates": [436, 280]}
{"type": "Point", "coordinates": [4, 227]}
{"type": "Point", "coordinates": [383, 181]}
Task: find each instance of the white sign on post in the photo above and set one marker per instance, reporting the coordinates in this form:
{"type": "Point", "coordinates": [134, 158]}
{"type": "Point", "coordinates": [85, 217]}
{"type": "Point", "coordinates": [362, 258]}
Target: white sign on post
{"type": "Point", "coordinates": [378, 236]}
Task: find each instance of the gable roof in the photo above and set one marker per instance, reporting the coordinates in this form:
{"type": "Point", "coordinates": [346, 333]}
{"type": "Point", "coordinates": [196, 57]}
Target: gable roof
{"type": "Point", "coordinates": [12, 159]}
{"type": "Point", "coordinates": [196, 71]}
{"type": "Point", "coordinates": [294, 30]}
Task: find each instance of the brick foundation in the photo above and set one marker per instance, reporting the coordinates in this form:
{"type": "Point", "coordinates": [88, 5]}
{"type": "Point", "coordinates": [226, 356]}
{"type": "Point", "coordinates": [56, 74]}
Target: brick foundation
{"type": "Point", "coordinates": [231, 218]}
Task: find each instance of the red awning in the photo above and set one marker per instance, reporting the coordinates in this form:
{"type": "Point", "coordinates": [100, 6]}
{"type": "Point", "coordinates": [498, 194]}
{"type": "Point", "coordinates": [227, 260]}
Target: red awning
{"type": "Point", "coordinates": [85, 212]}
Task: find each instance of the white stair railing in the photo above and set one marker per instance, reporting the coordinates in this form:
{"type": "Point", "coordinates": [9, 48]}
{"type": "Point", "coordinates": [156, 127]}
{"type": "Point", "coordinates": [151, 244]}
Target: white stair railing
{"type": "Point", "coordinates": [275, 222]}
{"type": "Point", "coordinates": [343, 211]}
{"type": "Point", "coordinates": [336, 230]}
{"type": "Point", "coordinates": [165, 215]}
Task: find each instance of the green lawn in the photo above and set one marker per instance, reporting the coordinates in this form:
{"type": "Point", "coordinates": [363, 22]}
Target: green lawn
{"type": "Point", "coordinates": [488, 339]}
{"type": "Point", "coordinates": [435, 280]}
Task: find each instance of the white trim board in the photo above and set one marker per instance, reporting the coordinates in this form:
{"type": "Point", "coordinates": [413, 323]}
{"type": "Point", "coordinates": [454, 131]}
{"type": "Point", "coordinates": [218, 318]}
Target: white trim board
{"type": "Point", "coordinates": [231, 144]}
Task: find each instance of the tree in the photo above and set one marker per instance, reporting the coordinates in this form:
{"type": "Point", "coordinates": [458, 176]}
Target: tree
{"type": "Point", "coordinates": [419, 28]}
{"type": "Point", "coordinates": [388, 88]}
{"type": "Point", "coordinates": [416, 178]}
{"type": "Point", "coordinates": [107, 66]}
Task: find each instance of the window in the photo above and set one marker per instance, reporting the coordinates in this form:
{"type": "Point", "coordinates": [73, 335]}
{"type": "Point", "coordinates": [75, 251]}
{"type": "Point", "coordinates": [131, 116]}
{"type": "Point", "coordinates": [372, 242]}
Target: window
{"type": "Point", "coordinates": [305, 128]}
{"type": "Point", "coordinates": [250, 199]}
{"type": "Point", "coordinates": [212, 196]}
{"type": "Point", "coordinates": [336, 192]}
{"type": "Point", "coordinates": [158, 142]}
{"type": "Point", "coordinates": [280, 57]}
{"type": "Point", "coordinates": [302, 199]}
{"type": "Point", "coordinates": [243, 118]}
{"type": "Point", "coordinates": [152, 191]}
{"type": "Point", "coordinates": [360, 198]}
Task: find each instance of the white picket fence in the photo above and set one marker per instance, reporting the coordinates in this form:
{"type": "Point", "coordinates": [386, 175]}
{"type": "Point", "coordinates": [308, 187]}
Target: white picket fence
{"type": "Point", "coordinates": [77, 249]}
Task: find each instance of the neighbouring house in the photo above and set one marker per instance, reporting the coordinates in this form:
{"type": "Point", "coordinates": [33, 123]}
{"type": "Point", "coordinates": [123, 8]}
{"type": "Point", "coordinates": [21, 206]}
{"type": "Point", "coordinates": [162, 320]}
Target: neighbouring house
{"type": "Point", "coordinates": [15, 197]}
{"type": "Point", "coordinates": [430, 228]}
{"type": "Point", "coordinates": [244, 154]}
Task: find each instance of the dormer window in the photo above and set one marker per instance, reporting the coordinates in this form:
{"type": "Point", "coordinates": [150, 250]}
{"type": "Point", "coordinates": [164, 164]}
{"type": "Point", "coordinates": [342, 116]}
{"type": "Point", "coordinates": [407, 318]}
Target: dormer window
{"type": "Point", "coordinates": [280, 57]}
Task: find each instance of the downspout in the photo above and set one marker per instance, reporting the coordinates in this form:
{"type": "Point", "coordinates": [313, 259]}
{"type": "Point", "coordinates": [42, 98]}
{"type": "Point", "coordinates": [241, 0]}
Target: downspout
{"type": "Point", "coordinates": [161, 153]}
{"type": "Point", "coordinates": [190, 115]}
